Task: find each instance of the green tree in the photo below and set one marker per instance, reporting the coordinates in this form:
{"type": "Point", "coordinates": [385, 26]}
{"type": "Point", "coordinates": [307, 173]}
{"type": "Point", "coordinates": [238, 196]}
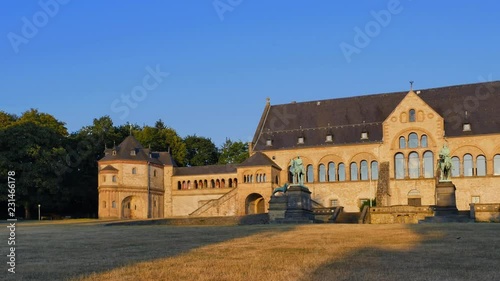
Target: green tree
{"type": "Point", "coordinates": [200, 151]}
{"type": "Point", "coordinates": [7, 119]}
{"type": "Point", "coordinates": [233, 152]}
{"type": "Point", "coordinates": [33, 151]}
{"type": "Point", "coordinates": [162, 138]}
{"type": "Point", "coordinates": [43, 120]}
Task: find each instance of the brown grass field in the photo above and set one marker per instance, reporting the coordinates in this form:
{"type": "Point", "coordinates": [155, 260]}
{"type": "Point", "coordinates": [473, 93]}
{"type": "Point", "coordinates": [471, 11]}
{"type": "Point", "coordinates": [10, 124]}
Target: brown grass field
{"type": "Point", "coordinates": [91, 251]}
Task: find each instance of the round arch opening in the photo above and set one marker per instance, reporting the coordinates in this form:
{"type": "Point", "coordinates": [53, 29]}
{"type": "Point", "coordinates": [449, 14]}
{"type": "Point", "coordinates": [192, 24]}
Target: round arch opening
{"type": "Point", "coordinates": [254, 204]}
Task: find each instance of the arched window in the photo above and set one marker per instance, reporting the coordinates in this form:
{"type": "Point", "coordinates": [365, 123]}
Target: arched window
{"type": "Point", "coordinates": [205, 183]}
{"type": "Point", "coordinates": [322, 173]}
{"type": "Point", "coordinates": [230, 183]}
{"type": "Point", "coordinates": [423, 141]}
{"type": "Point", "coordinates": [481, 166]}
{"type": "Point", "coordinates": [399, 166]}
{"type": "Point", "coordinates": [374, 169]}
{"type": "Point", "coordinates": [189, 184]}
{"type": "Point", "coordinates": [223, 183]}
{"type": "Point", "coordinates": [468, 166]}
{"type": "Point", "coordinates": [264, 178]}
{"type": "Point", "coordinates": [154, 173]}
{"type": "Point", "coordinates": [413, 165]}
{"type": "Point", "coordinates": [363, 166]}
{"type": "Point", "coordinates": [412, 140]}
{"type": "Point", "coordinates": [331, 171]}
{"type": "Point", "coordinates": [179, 186]}
{"type": "Point", "coordinates": [354, 171]}
{"type": "Point", "coordinates": [104, 204]}
{"type": "Point", "coordinates": [412, 115]}
{"type": "Point", "coordinates": [496, 165]}
{"type": "Point", "coordinates": [217, 183]}
{"type": "Point", "coordinates": [134, 171]}
{"type": "Point", "coordinates": [402, 142]}
{"type": "Point", "coordinates": [341, 172]}
{"type": "Point", "coordinates": [235, 182]}
{"type": "Point", "coordinates": [455, 166]}
{"type": "Point", "coordinates": [212, 183]}
{"type": "Point", "coordinates": [310, 173]}
{"type": "Point", "coordinates": [195, 185]}
{"type": "Point", "coordinates": [428, 164]}
{"type": "Point", "coordinates": [200, 184]}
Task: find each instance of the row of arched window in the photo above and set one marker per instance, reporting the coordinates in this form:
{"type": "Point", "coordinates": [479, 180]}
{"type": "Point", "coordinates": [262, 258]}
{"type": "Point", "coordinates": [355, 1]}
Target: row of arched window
{"type": "Point", "coordinates": [333, 172]}
{"type": "Point", "coordinates": [203, 184]}
{"type": "Point", "coordinates": [413, 141]}
{"type": "Point", "coordinates": [412, 166]}
{"type": "Point", "coordinates": [468, 167]}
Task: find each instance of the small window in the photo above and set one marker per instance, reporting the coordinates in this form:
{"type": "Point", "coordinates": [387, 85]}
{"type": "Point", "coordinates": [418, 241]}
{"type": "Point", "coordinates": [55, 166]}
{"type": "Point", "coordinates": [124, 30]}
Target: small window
{"type": "Point", "coordinates": [322, 173]}
{"type": "Point", "coordinates": [300, 140]}
{"type": "Point", "coordinates": [364, 135]}
{"type": "Point", "coordinates": [269, 142]}
{"type": "Point", "coordinates": [334, 202]}
{"type": "Point", "coordinates": [154, 203]}
{"type": "Point", "coordinates": [134, 171]}
{"type": "Point", "coordinates": [423, 141]}
{"type": "Point", "coordinates": [467, 127]}
{"type": "Point", "coordinates": [154, 173]}
{"type": "Point", "coordinates": [496, 165]}
{"type": "Point", "coordinates": [412, 115]}
{"type": "Point", "coordinates": [354, 171]}
{"type": "Point", "coordinates": [132, 152]}
{"type": "Point", "coordinates": [329, 138]}
{"type": "Point", "coordinates": [113, 179]}
{"type": "Point", "coordinates": [412, 140]}
{"type": "Point", "coordinates": [104, 178]}
{"type": "Point", "coordinates": [114, 152]}
{"type": "Point", "coordinates": [113, 204]}
{"type": "Point", "coordinates": [475, 199]}
{"type": "Point", "coordinates": [402, 143]}
{"type": "Point", "coordinates": [104, 204]}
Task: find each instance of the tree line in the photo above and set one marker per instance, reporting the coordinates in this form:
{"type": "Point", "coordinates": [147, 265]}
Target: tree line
{"type": "Point", "coordinates": [58, 169]}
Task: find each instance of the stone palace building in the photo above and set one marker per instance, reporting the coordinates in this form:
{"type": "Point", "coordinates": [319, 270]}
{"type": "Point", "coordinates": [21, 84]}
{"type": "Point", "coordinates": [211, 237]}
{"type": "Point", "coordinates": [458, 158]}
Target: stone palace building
{"type": "Point", "coordinates": [382, 146]}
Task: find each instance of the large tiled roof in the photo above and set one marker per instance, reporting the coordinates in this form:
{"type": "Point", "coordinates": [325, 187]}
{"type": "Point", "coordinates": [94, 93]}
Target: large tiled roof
{"type": "Point", "coordinates": [205, 170]}
{"type": "Point", "coordinates": [346, 118]}
{"type": "Point", "coordinates": [259, 159]}
{"type": "Point", "coordinates": [129, 144]}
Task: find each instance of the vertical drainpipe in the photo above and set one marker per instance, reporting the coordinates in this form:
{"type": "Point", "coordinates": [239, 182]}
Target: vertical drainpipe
{"type": "Point", "coordinates": [149, 189]}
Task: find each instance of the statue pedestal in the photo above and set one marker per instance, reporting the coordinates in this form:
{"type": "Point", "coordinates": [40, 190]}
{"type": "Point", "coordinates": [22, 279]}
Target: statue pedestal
{"type": "Point", "coordinates": [445, 199]}
{"type": "Point", "coordinates": [293, 207]}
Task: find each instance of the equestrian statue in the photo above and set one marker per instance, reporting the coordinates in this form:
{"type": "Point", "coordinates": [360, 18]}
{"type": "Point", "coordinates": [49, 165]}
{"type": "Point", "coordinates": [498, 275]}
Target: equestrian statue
{"type": "Point", "coordinates": [444, 164]}
{"type": "Point", "coordinates": [298, 171]}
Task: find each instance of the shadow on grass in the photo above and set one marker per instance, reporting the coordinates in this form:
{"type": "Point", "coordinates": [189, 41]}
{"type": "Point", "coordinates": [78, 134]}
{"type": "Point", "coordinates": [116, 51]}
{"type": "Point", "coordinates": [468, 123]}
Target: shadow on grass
{"type": "Point", "coordinates": [445, 252]}
{"type": "Point", "coordinates": [59, 252]}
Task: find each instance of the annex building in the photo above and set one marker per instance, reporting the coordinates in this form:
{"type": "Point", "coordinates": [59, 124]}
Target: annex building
{"type": "Point", "coordinates": [382, 146]}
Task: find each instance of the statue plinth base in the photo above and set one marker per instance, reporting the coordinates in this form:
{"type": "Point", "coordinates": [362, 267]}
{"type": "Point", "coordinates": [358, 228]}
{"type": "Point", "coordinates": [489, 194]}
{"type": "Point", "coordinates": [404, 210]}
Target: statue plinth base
{"type": "Point", "coordinates": [294, 206]}
{"type": "Point", "coordinates": [445, 199]}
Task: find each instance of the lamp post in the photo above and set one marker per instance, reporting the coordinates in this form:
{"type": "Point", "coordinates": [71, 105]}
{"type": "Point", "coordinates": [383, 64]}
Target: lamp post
{"type": "Point", "coordinates": [39, 218]}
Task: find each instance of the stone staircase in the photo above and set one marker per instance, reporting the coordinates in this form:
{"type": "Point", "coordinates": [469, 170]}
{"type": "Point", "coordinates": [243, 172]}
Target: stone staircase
{"type": "Point", "coordinates": [212, 207]}
{"type": "Point", "coordinates": [345, 217]}
{"type": "Point", "coordinates": [448, 215]}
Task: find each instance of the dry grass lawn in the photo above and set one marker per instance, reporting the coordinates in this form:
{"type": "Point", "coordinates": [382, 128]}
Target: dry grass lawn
{"type": "Point", "coordinates": [86, 251]}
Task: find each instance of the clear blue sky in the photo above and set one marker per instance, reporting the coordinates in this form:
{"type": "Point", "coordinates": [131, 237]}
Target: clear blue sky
{"type": "Point", "coordinates": [84, 55]}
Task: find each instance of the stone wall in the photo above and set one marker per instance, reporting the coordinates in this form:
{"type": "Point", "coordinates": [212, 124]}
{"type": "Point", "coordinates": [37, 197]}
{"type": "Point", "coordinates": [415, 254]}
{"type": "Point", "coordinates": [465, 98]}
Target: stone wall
{"type": "Point", "coordinates": [485, 212]}
{"type": "Point", "coordinates": [398, 214]}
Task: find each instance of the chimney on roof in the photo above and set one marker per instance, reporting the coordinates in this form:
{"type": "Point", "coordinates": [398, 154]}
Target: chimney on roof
{"type": "Point", "coordinates": [411, 85]}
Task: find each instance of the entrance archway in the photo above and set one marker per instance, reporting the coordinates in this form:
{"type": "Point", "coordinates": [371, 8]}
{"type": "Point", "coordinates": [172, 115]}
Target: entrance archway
{"type": "Point", "coordinates": [133, 208]}
{"type": "Point", "coordinates": [254, 204]}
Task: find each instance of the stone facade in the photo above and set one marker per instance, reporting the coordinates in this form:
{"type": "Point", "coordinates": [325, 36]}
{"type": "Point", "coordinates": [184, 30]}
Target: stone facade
{"type": "Point", "coordinates": [382, 147]}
